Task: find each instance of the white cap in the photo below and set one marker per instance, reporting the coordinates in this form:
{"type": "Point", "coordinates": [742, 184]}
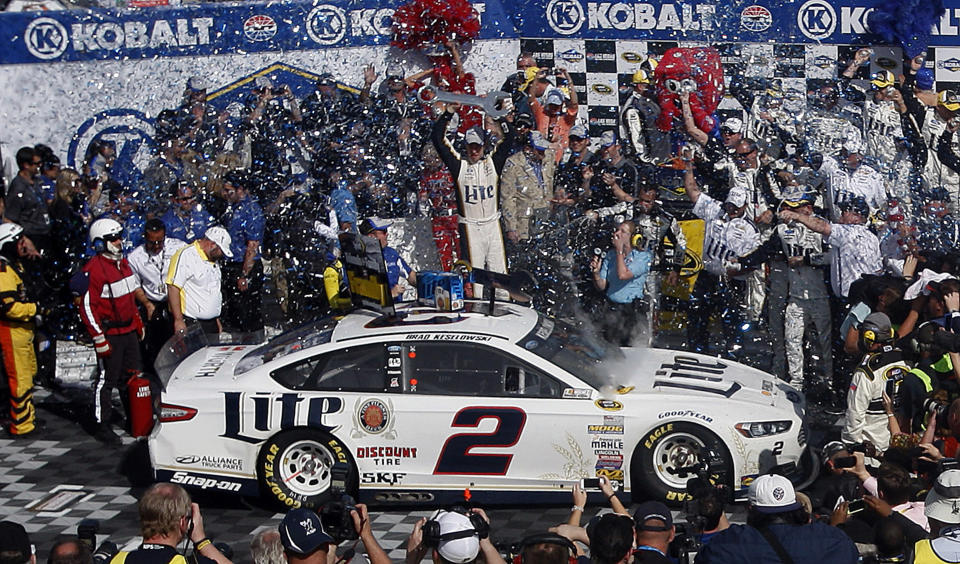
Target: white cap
{"type": "Point", "coordinates": [220, 236]}
{"type": "Point", "coordinates": [197, 83]}
{"type": "Point", "coordinates": [773, 494]}
{"type": "Point", "coordinates": [474, 136]}
{"type": "Point", "coordinates": [263, 82]}
{"type": "Point", "coordinates": [943, 500]}
{"type": "Point", "coordinates": [459, 550]}
{"type": "Point", "coordinates": [733, 124]}
{"type": "Point", "coordinates": [555, 96]}
{"type": "Point", "coordinates": [853, 145]}
{"type": "Point", "coordinates": [737, 197]}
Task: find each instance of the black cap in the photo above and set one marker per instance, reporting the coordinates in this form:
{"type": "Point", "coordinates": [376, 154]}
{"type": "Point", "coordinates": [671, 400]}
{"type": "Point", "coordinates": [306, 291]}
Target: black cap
{"type": "Point", "coordinates": [656, 514]}
{"type": "Point", "coordinates": [14, 542]}
{"type": "Point", "coordinates": [856, 204]}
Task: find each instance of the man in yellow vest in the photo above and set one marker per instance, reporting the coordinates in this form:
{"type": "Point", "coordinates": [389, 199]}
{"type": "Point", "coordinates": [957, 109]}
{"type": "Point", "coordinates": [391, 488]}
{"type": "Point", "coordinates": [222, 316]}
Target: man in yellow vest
{"type": "Point", "coordinates": [167, 517]}
{"type": "Point", "coordinates": [942, 508]}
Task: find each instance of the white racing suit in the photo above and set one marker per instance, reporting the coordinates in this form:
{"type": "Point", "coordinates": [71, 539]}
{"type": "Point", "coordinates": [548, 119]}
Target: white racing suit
{"type": "Point", "coordinates": [842, 185]}
{"type": "Point", "coordinates": [825, 131]}
{"type": "Point", "coordinates": [478, 201]}
{"type": "Point", "coordinates": [866, 418]}
{"type": "Point", "coordinates": [937, 173]}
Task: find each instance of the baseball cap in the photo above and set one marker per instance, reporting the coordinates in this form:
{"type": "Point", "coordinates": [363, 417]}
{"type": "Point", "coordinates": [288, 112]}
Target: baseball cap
{"type": "Point", "coordinates": [197, 83]}
{"type": "Point", "coordinates": [936, 194]}
{"type": "Point", "coordinates": [538, 142]}
{"type": "Point", "coordinates": [855, 204]}
{"type": "Point", "coordinates": [579, 131]}
{"type": "Point", "coordinates": [474, 135]}
{"type": "Point", "coordinates": [301, 532]}
{"type": "Point", "coordinates": [220, 236]}
{"type": "Point", "coordinates": [853, 145]}
{"type": "Point", "coordinates": [737, 197]}
{"type": "Point", "coordinates": [798, 198]}
{"type": "Point", "coordinates": [943, 501]}
{"type": "Point", "coordinates": [735, 125]}
{"type": "Point", "coordinates": [653, 511]}
{"type": "Point", "coordinates": [263, 82]}
{"type": "Point", "coordinates": [773, 494]}
{"type": "Point", "coordinates": [925, 79]}
{"type": "Point", "coordinates": [371, 224]}
{"type": "Point", "coordinates": [949, 100]}
{"type": "Point", "coordinates": [641, 76]}
{"type": "Point", "coordinates": [524, 119]}
{"type": "Point", "coordinates": [394, 71]}
{"type": "Point", "coordinates": [14, 540]}
{"type": "Point", "coordinates": [325, 79]}
{"type": "Point", "coordinates": [832, 448]}
{"type": "Point", "coordinates": [608, 138]}
{"type": "Point", "coordinates": [529, 74]}
{"type": "Point", "coordinates": [457, 550]}
{"type": "Point", "coordinates": [555, 97]}
{"type": "Point", "coordinates": [882, 79]}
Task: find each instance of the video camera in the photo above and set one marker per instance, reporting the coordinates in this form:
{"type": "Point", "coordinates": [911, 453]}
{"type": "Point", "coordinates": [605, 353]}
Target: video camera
{"type": "Point", "coordinates": [335, 515]}
{"type": "Point", "coordinates": [711, 485]}
{"type": "Point", "coordinates": [87, 531]}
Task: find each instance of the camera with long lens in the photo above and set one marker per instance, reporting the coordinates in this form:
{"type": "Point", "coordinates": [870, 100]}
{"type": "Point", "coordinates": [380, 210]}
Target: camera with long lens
{"type": "Point", "coordinates": [87, 531]}
{"type": "Point", "coordinates": [938, 408]}
{"type": "Point", "coordinates": [335, 514]}
{"type": "Point", "coordinates": [711, 481]}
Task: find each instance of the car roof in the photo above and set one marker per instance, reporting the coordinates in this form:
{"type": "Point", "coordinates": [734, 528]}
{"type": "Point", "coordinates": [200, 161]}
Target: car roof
{"type": "Point", "coordinates": [508, 321]}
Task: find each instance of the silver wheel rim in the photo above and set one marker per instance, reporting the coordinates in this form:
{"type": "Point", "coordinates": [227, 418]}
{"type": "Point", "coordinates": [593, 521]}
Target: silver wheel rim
{"type": "Point", "coordinates": [673, 453]}
{"type": "Point", "coordinates": [305, 467]}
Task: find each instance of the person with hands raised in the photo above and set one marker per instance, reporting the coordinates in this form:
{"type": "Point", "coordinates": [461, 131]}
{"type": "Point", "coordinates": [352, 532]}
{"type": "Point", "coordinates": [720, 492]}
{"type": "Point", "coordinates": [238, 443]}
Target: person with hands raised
{"type": "Point", "coordinates": [622, 275]}
{"type": "Point", "coordinates": [361, 522]}
{"type": "Point", "coordinates": [454, 538]}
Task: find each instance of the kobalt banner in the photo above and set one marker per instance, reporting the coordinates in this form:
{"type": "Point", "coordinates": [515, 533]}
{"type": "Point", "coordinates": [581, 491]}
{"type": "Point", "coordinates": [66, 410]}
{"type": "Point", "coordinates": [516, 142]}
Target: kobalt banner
{"type": "Point", "coordinates": [78, 35]}
{"type": "Point", "coordinates": [792, 21]}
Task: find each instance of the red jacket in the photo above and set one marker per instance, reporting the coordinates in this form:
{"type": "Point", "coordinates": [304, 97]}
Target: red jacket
{"type": "Point", "coordinates": [108, 306]}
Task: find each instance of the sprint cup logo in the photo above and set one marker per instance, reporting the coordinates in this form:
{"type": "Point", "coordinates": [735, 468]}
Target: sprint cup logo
{"type": "Point", "coordinates": [326, 24]}
{"type": "Point", "coordinates": [565, 16]}
{"type": "Point", "coordinates": [817, 19]}
{"type": "Point", "coordinates": [755, 18]}
{"type": "Point", "coordinates": [259, 28]}
{"type": "Point", "coordinates": [46, 38]}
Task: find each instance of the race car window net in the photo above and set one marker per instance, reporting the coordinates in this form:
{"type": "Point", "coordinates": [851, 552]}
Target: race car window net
{"type": "Point", "coordinates": [574, 349]}
{"type": "Point", "coordinates": [311, 334]}
{"type": "Point", "coordinates": [472, 369]}
{"type": "Point", "coordinates": [357, 369]}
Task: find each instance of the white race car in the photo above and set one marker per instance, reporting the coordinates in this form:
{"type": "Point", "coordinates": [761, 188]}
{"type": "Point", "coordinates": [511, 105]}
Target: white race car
{"type": "Point", "coordinates": [511, 404]}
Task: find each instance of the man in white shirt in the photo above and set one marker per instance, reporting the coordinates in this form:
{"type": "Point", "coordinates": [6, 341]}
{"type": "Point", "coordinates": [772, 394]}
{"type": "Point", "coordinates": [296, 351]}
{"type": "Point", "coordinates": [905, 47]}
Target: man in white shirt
{"type": "Point", "coordinates": [849, 178]}
{"type": "Point", "coordinates": [193, 282]}
{"type": "Point", "coordinates": [150, 262]}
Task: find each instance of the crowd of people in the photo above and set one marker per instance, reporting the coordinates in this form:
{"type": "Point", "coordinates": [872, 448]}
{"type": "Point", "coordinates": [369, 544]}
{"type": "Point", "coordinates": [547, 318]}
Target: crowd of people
{"type": "Point", "coordinates": [830, 224]}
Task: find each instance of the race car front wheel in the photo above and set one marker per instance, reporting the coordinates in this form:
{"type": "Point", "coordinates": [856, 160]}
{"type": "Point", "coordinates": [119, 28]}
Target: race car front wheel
{"type": "Point", "coordinates": [294, 468]}
{"type": "Point", "coordinates": [665, 458]}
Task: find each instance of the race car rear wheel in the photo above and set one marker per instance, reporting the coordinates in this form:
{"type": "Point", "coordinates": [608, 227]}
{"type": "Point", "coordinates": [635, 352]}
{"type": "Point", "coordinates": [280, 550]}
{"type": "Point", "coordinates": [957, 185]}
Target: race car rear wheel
{"type": "Point", "coordinates": [662, 458]}
{"type": "Point", "coordinates": [294, 468]}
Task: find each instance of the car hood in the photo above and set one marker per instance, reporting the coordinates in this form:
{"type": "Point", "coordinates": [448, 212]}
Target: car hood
{"type": "Point", "coordinates": [209, 364]}
{"type": "Point", "coordinates": [684, 374]}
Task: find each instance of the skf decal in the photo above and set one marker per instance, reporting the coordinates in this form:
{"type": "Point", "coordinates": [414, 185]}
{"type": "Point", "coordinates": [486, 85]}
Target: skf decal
{"type": "Point", "coordinates": [388, 478]}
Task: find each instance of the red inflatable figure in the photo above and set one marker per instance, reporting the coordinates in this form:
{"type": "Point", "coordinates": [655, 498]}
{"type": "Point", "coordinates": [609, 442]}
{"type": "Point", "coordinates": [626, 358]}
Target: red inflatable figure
{"type": "Point", "coordinates": [696, 70]}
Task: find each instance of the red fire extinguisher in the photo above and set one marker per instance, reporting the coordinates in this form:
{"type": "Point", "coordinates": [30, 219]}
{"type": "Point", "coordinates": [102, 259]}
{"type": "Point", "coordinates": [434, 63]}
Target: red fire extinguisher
{"type": "Point", "coordinates": [141, 405]}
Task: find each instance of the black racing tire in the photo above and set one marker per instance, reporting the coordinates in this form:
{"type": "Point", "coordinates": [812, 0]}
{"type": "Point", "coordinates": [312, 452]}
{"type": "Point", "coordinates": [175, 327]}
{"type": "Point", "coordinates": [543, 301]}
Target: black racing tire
{"type": "Point", "coordinates": [293, 468]}
{"type": "Point", "coordinates": [664, 450]}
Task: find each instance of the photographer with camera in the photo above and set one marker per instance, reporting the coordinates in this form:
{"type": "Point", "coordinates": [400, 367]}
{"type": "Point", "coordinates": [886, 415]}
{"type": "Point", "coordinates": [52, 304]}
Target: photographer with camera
{"type": "Point", "coordinates": [308, 539]}
{"type": "Point", "coordinates": [777, 530]}
{"type": "Point", "coordinates": [892, 485]}
{"type": "Point", "coordinates": [167, 518]}
{"type": "Point", "coordinates": [70, 549]}
{"type": "Point", "coordinates": [457, 536]}
{"type": "Point", "coordinates": [622, 275]}
{"type": "Point", "coordinates": [942, 508]}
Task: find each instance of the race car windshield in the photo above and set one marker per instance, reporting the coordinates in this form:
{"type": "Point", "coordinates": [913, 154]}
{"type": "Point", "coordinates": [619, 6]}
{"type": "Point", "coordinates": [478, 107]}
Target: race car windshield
{"type": "Point", "coordinates": [316, 333]}
{"type": "Point", "coordinates": [571, 348]}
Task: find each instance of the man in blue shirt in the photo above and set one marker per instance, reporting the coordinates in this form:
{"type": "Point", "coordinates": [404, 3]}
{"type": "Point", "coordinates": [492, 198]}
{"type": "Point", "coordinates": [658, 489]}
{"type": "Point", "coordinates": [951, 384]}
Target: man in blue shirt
{"type": "Point", "coordinates": [396, 266]}
{"type": "Point", "coordinates": [621, 275]}
{"type": "Point", "coordinates": [242, 281]}
{"type": "Point", "coordinates": [186, 219]}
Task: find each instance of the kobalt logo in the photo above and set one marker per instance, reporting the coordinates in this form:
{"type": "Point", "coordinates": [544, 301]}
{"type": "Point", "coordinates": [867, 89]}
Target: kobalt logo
{"type": "Point", "coordinates": [259, 28]}
{"type": "Point", "coordinates": [755, 18]}
{"type": "Point", "coordinates": [952, 64]}
{"type": "Point", "coordinates": [326, 24]}
{"type": "Point", "coordinates": [565, 16]}
{"type": "Point", "coordinates": [110, 36]}
{"type": "Point", "coordinates": [817, 19]}
{"type": "Point", "coordinates": [46, 38]}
